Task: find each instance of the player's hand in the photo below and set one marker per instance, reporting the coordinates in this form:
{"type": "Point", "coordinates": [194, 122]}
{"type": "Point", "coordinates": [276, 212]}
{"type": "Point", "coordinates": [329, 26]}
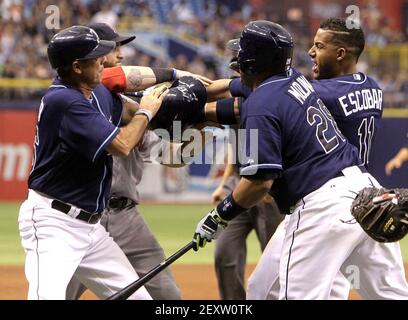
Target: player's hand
{"type": "Point", "coordinates": [208, 228]}
{"type": "Point", "coordinates": [153, 101]}
{"type": "Point", "coordinates": [267, 199]}
{"type": "Point", "coordinates": [218, 195]}
{"type": "Point", "coordinates": [204, 80]}
{"type": "Point", "coordinates": [394, 163]}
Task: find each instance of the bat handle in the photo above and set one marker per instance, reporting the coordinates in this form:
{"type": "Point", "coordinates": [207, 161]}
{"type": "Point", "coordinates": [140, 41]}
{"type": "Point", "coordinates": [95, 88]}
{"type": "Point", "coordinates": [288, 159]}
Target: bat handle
{"type": "Point", "coordinates": [134, 286]}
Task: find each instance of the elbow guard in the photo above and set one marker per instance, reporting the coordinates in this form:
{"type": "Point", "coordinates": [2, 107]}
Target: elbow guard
{"type": "Point", "coordinates": [114, 79]}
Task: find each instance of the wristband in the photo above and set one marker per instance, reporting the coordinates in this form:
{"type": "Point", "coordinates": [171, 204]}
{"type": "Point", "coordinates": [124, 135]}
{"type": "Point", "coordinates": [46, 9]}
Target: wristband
{"type": "Point", "coordinates": [164, 74]}
{"type": "Point", "coordinates": [225, 111]}
{"type": "Point", "coordinates": [146, 112]}
{"type": "Point", "coordinates": [228, 209]}
{"type": "Point", "coordinates": [174, 74]}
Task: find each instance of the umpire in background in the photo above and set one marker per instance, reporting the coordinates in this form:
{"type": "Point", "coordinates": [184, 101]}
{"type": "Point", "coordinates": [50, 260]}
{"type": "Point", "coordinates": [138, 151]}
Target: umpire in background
{"type": "Point", "coordinates": [122, 219]}
{"type": "Point", "coordinates": [76, 134]}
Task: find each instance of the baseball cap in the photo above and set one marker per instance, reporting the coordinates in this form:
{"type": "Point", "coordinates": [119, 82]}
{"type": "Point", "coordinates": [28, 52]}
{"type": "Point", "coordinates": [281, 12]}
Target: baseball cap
{"type": "Point", "coordinates": [76, 43]}
{"type": "Point", "coordinates": [105, 32]}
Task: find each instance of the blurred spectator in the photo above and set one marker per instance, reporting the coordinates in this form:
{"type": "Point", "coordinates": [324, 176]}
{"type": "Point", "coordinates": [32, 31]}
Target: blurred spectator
{"type": "Point", "coordinates": [106, 15]}
{"type": "Point", "coordinates": [209, 24]}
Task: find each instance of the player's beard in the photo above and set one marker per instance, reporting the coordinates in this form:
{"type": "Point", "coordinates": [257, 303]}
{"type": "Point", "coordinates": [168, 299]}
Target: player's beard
{"type": "Point", "coordinates": [323, 71]}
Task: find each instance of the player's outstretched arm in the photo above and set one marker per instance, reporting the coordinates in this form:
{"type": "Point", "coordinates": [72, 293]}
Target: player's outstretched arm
{"type": "Point", "coordinates": [397, 161]}
{"type": "Point", "coordinates": [130, 135]}
{"type": "Point", "coordinates": [223, 111]}
{"type": "Point", "coordinates": [249, 192]}
{"type": "Point", "coordinates": [136, 78]}
{"type": "Point", "coordinates": [218, 89]}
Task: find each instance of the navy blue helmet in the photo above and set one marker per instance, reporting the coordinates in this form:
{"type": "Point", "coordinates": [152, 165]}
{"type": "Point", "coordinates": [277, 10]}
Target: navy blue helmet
{"type": "Point", "coordinates": [76, 43]}
{"type": "Point", "coordinates": [263, 44]}
{"type": "Point", "coordinates": [184, 103]}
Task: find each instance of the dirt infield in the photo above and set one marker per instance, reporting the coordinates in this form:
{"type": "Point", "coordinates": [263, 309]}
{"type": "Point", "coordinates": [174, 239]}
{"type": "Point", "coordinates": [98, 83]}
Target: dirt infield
{"type": "Point", "coordinates": [195, 282]}
{"type": "Point", "coordinates": [190, 278]}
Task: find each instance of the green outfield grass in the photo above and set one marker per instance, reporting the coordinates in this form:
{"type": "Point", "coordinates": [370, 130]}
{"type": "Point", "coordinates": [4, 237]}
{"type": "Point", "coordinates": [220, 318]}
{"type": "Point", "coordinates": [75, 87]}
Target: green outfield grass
{"type": "Point", "coordinates": [172, 224]}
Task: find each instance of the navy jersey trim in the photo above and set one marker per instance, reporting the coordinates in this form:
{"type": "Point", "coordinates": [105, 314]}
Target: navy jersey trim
{"type": "Point", "coordinates": [290, 252]}
{"type": "Point", "coordinates": [251, 168]}
{"type": "Point", "coordinates": [97, 104]}
{"type": "Point", "coordinates": [101, 191]}
{"type": "Point", "coordinates": [277, 80]}
{"type": "Point", "coordinates": [104, 143]}
{"type": "Point", "coordinates": [58, 86]}
{"type": "Point", "coordinates": [354, 82]}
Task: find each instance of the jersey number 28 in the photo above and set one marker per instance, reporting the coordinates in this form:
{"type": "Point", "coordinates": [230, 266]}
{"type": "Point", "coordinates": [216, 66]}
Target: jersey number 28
{"type": "Point", "coordinates": [327, 132]}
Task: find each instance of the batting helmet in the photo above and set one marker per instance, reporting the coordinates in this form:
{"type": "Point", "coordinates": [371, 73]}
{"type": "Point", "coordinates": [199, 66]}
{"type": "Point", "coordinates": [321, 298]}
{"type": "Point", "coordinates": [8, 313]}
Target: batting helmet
{"type": "Point", "coordinates": [263, 44]}
{"type": "Point", "coordinates": [76, 43]}
{"type": "Point", "coordinates": [181, 108]}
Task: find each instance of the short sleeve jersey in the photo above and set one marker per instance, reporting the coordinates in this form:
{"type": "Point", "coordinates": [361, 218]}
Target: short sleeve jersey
{"type": "Point", "coordinates": [292, 138]}
{"type": "Point", "coordinates": [70, 162]}
{"type": "Point", "coordinates": [355, 101]}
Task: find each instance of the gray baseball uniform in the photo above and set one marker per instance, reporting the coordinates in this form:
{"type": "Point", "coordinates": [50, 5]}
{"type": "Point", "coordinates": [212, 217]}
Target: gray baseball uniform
{"type": "Point", "coordinates": [125, 224]}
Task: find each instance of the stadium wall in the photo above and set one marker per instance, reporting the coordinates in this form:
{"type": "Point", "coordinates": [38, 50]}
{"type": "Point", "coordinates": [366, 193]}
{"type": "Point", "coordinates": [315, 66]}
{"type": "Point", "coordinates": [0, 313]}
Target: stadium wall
{"type": "Point", "coordinates": [193, 184]}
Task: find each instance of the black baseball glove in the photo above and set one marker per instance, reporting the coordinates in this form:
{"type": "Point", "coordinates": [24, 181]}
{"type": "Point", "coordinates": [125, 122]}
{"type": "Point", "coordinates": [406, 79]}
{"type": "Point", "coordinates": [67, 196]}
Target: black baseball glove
{"type": "Point", "coordinates": [382, 213]}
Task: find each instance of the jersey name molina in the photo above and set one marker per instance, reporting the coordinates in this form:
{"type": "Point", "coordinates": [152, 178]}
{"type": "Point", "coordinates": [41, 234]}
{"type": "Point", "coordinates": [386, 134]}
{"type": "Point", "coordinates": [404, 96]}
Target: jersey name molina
{"type": "Point", "coordinates": [355, 101]}
{"type": "Point", "coordinates": [299, 144]}
{"type": "Point", "coordinates": [70, 162]}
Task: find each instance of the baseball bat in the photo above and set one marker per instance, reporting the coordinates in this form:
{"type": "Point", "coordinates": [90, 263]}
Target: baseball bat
{"type": "Point", "coordinates": [134, 286]}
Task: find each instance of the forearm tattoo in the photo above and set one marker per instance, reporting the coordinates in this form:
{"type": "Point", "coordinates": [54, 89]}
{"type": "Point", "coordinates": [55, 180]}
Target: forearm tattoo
{"type": "Point", "coordinates": [135, 78]}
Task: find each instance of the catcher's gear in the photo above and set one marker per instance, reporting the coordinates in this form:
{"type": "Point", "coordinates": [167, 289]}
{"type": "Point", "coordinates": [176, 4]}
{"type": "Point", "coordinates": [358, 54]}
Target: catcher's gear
{"type": "Point", "coordinates": [382, 213]}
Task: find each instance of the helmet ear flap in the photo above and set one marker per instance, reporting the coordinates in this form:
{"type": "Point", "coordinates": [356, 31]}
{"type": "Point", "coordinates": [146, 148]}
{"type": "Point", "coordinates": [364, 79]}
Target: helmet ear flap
{"type": "Point", "coordinates": [248, 67]}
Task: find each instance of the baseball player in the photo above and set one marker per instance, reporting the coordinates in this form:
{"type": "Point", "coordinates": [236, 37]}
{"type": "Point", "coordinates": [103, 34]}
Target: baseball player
{"type": "Point", "coordinates": [121, 218]}
{"type": "Point", "coordinates": [344, 91]}
{"type": "Point", "coordinates": [230, 250]}
{"type": "Point", "coordinates": [264, 218]}
{"type": "Point", "coordinates": [311, 170]}
{"type": "Point", "coordinates": [76, 134]}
